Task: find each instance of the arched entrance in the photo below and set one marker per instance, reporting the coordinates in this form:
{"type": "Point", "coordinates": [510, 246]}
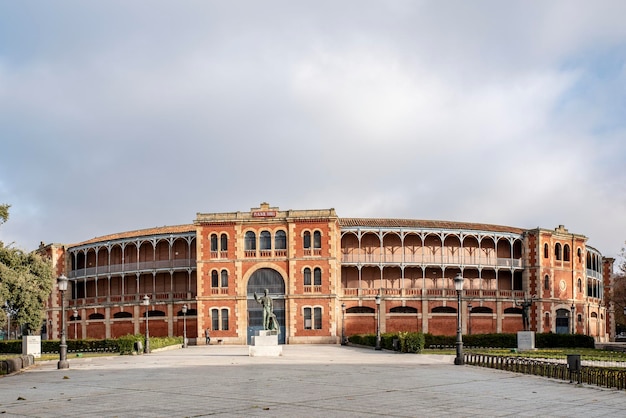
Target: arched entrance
{"type": "Point", "coordinates": [270, 279]}
{"type": "Point", "coordinates": [562, 321]}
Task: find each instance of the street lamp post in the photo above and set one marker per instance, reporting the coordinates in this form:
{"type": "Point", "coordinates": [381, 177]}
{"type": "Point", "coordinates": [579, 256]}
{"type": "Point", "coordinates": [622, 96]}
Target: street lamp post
{"type": "Point", "coordinates": [75, 319]}
{"type": "Point", "coordinates": [146, 303]}
{"type": "Point", "coordinates": [573, 309]}
{"type": "Point", "coordinates": [63, 363]}
{"type": "Point", "coordinates": [458, 285]}
{"type": "Point", "coordinates": [378, 347]}
{"type": "Point", "coordinates": [469, 319]}
{"type": "Point", "coordinates": [343, 324]}
{"type": "Point", "coordinates": [185, 326]}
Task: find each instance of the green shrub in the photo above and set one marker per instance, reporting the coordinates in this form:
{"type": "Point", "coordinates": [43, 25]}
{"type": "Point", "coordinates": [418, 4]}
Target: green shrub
{"type": "Point", "coordinates": [411, 342]}
{"type": "Point", "coordinates": [126, 343]}
{"type": "Point", "coordinates": [408, 342]}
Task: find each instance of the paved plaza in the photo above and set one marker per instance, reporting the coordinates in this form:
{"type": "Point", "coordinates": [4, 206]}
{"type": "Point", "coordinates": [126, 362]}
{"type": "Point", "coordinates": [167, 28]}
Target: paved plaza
{"type": "Point", "coordinates": [307, 381]}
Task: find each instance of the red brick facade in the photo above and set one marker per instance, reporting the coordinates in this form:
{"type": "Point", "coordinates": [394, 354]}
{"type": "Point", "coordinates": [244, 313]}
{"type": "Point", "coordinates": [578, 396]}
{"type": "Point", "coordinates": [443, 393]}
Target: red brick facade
{"type": "Point", "coordinates": [314, 262]}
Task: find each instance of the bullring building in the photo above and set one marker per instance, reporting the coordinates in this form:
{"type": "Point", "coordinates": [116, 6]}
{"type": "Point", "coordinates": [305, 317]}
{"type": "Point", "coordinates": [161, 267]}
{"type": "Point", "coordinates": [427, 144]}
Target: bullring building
{"type": "Point", "coordinates": [328, 276]}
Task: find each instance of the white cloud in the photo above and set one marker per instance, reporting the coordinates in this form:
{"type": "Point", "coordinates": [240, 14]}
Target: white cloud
{"type": "Point", "coordinates": [481, 111]}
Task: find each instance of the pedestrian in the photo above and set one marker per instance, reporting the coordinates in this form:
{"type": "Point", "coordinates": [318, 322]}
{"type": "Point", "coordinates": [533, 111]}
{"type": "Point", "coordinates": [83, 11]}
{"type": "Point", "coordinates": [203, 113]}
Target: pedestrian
{"type": "Point", "coordinates": [207, 337]}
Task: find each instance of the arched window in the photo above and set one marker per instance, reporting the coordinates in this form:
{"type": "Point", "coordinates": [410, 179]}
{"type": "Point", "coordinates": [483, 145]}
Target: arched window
{"type": "Point", "coordinates": [557, 251]}
{"type": "Point", "coordinates": [547, 319]}
{"type": "Point", "coordinates": [280, 240]}
{"type": "Point", "coordinates": [513, 311]}
{"type": "Point", "coordinates": [481, 309]}
{"type": "Point", "coordinates": [307, 276]}
{"type": "Point", "coordinates": [403, 309]}
{"type": "Point", "coordinates": [546, 252]}
{"type": "Point", "coordinates": [317, 276]}
{"type": "Point", "coordinates": [95, 316]}
{"type": "Point", "coordinates": [546, 283]}
{"type": "Point", "coordinates": [214, 279]}
{"type": "Point", "coordinates": [443, 309]}
{"type": "Point", "coordinates": [317, 318]}
{"type": "Point", "coordinates": [224, 277]}
{"type": "Point", "coordinates": [312, 318]}
{"type": "Point", "coordinates": [215, 319]}
{"type": "Point", "coordinates": [580, 255]}
{"type": "Point", "coordinates": [566, 252]}
{"type": "Point", "coordinates": [265, 240]}
{"type": "Point", "coordinates": [224, 242]}
{"type": "Point", "coordinates": [306, 240]}
{"type": "Point", "coordinates": [119, 315]}
{"type": "Point", "coordinates": [580, 285]}
{"type": "Point", "coordinates": [219, 319]}
{"type": "Point", "coordinates": [224, 319]}
{"type": "Point", "coordinates": [317, 239]}
{"type": "Point", "coordinates": [213, 242]}
{"type": "Point", "coordinates": [250, 241]}
{"type": "Point", "coordinates": [360, 309]}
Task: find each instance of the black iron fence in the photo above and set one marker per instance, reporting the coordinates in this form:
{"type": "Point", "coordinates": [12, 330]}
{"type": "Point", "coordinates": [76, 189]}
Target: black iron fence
{"type": "Point", "coordinates": [599, 376]}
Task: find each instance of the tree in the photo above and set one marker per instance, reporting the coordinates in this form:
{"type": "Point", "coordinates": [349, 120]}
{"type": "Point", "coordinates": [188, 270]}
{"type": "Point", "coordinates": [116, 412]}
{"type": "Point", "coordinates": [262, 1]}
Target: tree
{"type": "Point", "coordinates": [619, 293]}
{"type": "Point", "coordinates": [25, 284]}
{"type": "Point", "coordinates": [4, 213]}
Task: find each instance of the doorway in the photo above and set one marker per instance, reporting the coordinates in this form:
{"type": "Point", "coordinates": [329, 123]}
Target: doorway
{"type": "Point", "coordinates": [262, 279]}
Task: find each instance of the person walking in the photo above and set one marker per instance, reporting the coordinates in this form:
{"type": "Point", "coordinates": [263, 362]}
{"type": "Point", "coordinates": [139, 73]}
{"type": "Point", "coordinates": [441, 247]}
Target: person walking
{"type": "Point", "coordinates": [207, 337]}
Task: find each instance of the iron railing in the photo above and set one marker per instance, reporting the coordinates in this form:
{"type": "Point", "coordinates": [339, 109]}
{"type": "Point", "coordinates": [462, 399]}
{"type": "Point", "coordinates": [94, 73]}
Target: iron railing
{"type": "Point", "coordinates": [599, 376]}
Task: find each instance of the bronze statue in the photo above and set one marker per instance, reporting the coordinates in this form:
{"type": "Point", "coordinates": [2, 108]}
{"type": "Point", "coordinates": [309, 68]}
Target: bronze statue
{"type": "Point", "coordinates": [269, 318]}
{"type": "Point", "coordinates": [526, 304]}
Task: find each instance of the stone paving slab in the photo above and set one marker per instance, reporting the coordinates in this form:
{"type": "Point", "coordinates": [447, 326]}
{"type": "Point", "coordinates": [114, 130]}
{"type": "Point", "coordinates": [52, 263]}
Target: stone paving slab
{"type": "Point", "coordinates": [307, 381]}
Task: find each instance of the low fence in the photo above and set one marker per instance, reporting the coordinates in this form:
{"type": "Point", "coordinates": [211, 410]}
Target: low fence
{"type": "Point", "coordinates": [599, 376]}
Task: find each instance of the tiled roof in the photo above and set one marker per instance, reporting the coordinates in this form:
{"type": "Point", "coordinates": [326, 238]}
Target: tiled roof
{"type": "Point", "coordinates": [141, 233]}
{"type": "Point", "coordinates": [417, 223]}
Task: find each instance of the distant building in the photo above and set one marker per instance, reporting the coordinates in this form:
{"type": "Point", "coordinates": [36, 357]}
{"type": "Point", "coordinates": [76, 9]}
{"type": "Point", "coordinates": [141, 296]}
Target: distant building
{"type": "Point", "coordinates": [313, 263]}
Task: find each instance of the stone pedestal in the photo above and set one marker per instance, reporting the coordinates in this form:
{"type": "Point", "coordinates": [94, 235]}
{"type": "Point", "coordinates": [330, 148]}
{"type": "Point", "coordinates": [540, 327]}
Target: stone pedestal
{"type": "Point", "coordinates": [265, 345]}
{"type": "Point", "coordinates": [31, 344]}
{"type": "Point", "coordinates": [525, 340]}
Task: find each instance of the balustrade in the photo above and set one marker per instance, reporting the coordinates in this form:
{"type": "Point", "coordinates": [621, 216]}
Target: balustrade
{"type": "Point", "coordinates": [132, 267]}
{"type": "Point", "coordinates": [473, 293]}
{"type": "Point", "coordinates": [430, 259]}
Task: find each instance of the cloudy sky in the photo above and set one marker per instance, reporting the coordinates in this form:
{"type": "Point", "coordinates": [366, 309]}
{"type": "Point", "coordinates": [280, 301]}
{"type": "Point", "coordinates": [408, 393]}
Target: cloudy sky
{"type": "Point", "coordinates": [122, 115]}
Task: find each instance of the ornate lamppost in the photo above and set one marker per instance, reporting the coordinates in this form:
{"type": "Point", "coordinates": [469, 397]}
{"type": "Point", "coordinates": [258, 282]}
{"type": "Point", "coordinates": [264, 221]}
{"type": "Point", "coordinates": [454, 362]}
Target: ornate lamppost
{"type": "Point", "coordinates": [75, 319]}
{"type": "Point", "coordinates": [469, 319]}
{"type": "Point", "coordinates": [378, 347]}
{"type": "Point", "coordinates": [458, 285]}
{"type": "Point", "coordinates": [63, 363]}
{"type": "Point", "coordinates": [573, 310]}
{"type": "Point", "coordinates": [343, 324]}
{"type": "Point", "coordinates": [146, 303]}
{"type": "Point", "coordinates": [184, 326]}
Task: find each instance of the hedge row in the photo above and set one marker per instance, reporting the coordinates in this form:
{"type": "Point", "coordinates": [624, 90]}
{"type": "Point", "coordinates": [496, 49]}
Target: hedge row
{"type": "Point", "coordinates": [542, 340]}
{"type": "Point", "coordinates": [415, 342]}
{"type": "Point", "coordinates": [122, 345]}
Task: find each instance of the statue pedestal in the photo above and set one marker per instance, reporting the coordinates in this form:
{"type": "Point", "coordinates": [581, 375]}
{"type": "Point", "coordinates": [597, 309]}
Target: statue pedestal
{"type": "Point", "coordinates": [265, 345]}
{"type": "Point", "coordinates": [525, 340]}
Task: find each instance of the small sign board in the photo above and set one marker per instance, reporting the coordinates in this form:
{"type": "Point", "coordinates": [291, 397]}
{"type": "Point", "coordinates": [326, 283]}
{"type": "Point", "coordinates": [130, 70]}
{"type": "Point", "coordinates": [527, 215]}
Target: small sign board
{"type": "Point", "coordinates": [264, 214]}
{"type": "Point", "coordinates": [31, 344]}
